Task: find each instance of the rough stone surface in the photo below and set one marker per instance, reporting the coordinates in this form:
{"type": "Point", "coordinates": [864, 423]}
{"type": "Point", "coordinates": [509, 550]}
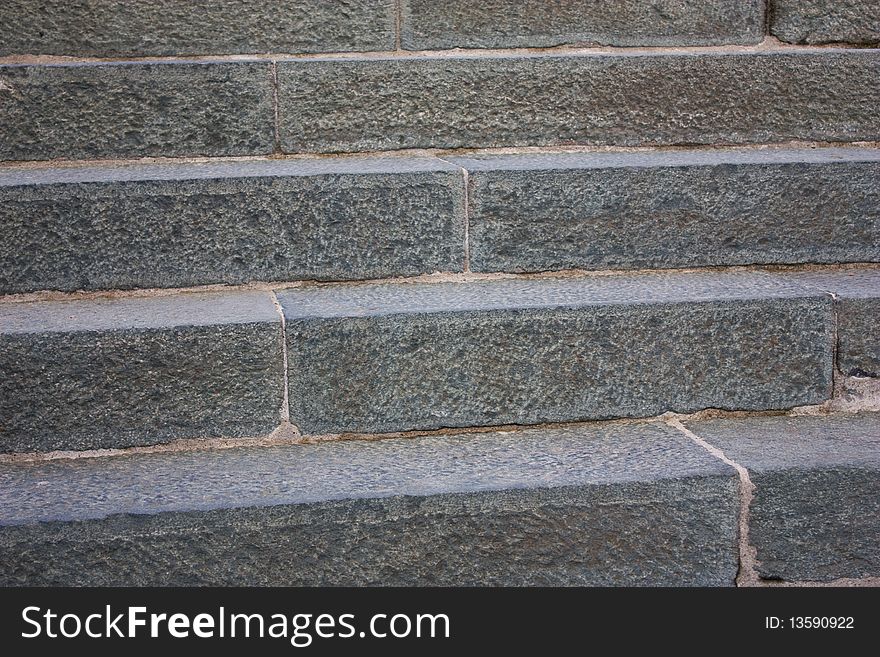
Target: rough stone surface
{"type": "Point", "coordinates": [826, 21]}
{"type": "Point", "coordinates": [857, 299]}
{"type": "Point", "coordinates": [377, 358]}
{"type": "Point", "coordinates": [816, 511]}
{"type": "Point", "coordinates": [194, 224]}
{"type": "Point", "coordinates": [110, 28]}
{"type": "Point", "coordinates": [120, 372]}
{"type": "Point", "coordinates": [427, 24]}
{"type": "Point", "coordinates": [117, 110]}
{"type": "Point", "coordinates": [687, 209]}
{"type": "Point", "coordinates": [352, 104]}
{"type": "Point", "coordinates": [634, 504]}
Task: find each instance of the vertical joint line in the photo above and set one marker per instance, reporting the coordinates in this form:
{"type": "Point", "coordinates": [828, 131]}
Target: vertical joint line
{"type": "Point", "coordinates": [398, 21]}
{"type": "Point", "coordinates": [748, 572]}
{"type": "Point", "coordinates": [273, 71]}
{"type": "Point", "coordinates": [768, 10]}
{"type": "Point", "coordinates": [285, 395]}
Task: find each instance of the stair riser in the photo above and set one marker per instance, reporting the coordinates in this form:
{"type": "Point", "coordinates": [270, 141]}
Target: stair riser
{"type": "Point", "coordinates": [527, 367]}
{"type": "Point", "coordinates": [97, 111]}
{"type": "Point", "coordinates": [180, 232]}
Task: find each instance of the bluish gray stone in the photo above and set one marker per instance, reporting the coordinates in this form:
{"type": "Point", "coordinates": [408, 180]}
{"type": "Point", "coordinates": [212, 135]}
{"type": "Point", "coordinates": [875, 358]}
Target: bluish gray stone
{"type": "Point", "coordinates": [857, 302]}
{"type": "Point", "coordinates": [634, 504]}
{"type": "Point", "coordinates": [493, 100]}
{"type": "Point", "coordinates": [826, 21]}
{"type": "Point", "coordinates": [427, 24]}
{"type": "Point", "coordinates": [396, 357]}
{"type": "Point", "coordinates": [118, 28]}
{"type": "Point", "coordinates": [119, 110]}
{"type": "Point", "coordinates": [110, 373]}
{"type": "Point", "coordinates": [177, 225]}
{"type": "Point", "coordinates": [680, 209]}
{"type": "Point", "coordinates": [816, 511]}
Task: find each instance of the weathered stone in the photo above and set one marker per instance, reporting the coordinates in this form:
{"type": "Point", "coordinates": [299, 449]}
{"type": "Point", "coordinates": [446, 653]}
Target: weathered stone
{"type": "Point", "coordinates": [358, 103]}
{"type": "Point", "coordinates": [427, 24]}
{"type": "Point", "coordinates": [634, 505]}
{"type": "Point", "coordinates": [681, 209]}
{"type": "Point", "coordinates": [857, 300]}
{"type": "Point", "coordinates": [176, 225]}
{"type": "Point", "coordinates": [826, 21]}
{"type": "Point", "coordinates": [115, 110]}
{"type": "Point", "coordinates": [816, 511]}
{"type": "Point", "coordinates": [110, 28]}
{"type": "Point", "coordinates": [120, 372]}
{"type": "Point", "coordinates": [394, 357]}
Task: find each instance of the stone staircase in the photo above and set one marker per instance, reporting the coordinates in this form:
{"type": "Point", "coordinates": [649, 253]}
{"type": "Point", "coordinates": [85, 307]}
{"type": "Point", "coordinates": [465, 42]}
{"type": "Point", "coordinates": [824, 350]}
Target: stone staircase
{"type": "Point", "coordinates": [409, 292]}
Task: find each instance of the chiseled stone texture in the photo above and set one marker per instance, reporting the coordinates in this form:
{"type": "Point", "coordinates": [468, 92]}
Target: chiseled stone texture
{"type": "Point", "coordinates": [826, 21]}
{"type": "Point", "coordinates": [682, 209]}
{"type": "Point", "coordinates": [358, 103]}
{"type": "Point", "coordinates": [176, 225]}
{"type": "Point", "coordinates": [115, 28]}
{"type": "Point", "coordinates": [121, 372]}
{"type": "Point", "coordinates": [116, 110]}
{"type": "Point", "coordinates": [816, 511]}
{"type": "Point", "coordinates": [395, 357]}
{"type": "Point", "coordinates": [428, 24]}
{"type": "Point", "coordinates": [857, 300]}
{"type": "Point", "coordinates": [601, 505]}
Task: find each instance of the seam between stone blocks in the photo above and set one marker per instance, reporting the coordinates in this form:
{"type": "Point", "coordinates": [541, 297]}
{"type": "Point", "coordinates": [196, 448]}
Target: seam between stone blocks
{"type": "Point", "coordinates": [747, 574]}
{"type": "Point", "coordinates": [285, 395]}
{"type": "Point", "coordinates": [398, 25]}
{"type": "Point", "coordinates": [466, 211]}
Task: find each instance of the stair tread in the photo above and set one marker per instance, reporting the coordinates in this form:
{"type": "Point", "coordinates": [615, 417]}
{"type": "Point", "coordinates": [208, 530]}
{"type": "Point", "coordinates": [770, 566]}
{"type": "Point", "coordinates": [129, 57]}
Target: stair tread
{"type": "Point", "coordinates": [301, 474]}
{"type": "Point", "coordinates": [373, 299]}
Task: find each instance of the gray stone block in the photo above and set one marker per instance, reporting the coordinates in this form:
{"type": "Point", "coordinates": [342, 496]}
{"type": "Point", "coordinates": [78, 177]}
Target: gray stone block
{"type": "Point", "coordinates": [110, 28]}
{"type": "Point", "coordinates": [395, 357]}
{"type": "Point", "coordinates": [492, 100]}
{"type": "Point", "coordinates": [682, 209]}
{"type": "Point", "coordinates": [634, 504]}
{"type": "Point", "coordinates": [427, 24]}
{"type": "Point", "coordinates": [816, 511]}
{"type": "Point", "coordinates": [118, 110]}
{"type": "Point", "coordinates": [176, 225]}
{"type": "Point", "coordinates": [112, 373]}
{"type": "Point", "coordinates": [826, 21]}
{"type": "Point", "coordinates": [857, 302]}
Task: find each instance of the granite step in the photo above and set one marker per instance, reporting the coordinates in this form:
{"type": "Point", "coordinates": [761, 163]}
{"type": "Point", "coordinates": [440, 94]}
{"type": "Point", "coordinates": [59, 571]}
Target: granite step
{"type": "Point", "coordinates": [108, 373]}
{"type": "Point", "coordinates": [397, 357]}
{"type": "Point", "coordinates": [122, 371]}
{"type": "Point", "coordinates": [633, 504]}
{"type": "Point", "coordinates": [97, 227]}
{"type": "Point", "coordinates": [356, 103]}
{"type": "Point", "coordinates": [815, 515]}
{"type": "Point", "coordinates": [185, 224]}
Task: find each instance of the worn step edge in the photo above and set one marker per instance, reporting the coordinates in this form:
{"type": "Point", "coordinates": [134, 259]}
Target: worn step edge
{"type": "Point", "coordinates": [616, 504]}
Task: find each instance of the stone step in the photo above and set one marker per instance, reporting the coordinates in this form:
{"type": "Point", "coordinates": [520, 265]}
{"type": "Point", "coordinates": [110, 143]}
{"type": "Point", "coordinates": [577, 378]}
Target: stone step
{"type": "Point", "coordinates": [180, 225]}
{"type": "Point", "coordinates": [588, 98]}
{"type": "Point", "coordinates": [117, 372]}
{"type": "Point", "coordinates": [426, 24]}
{"type": "Point", "coordinates": [815, 515]}
{"type": "Point", "coordinates": [396, 357]}
{"type": "Point", "coordinates": [106, 373]}
{"type": "Point", "coordinates": [185, 224]}
{"type": "Point", "coordinates": [108, 28]}
{"type": "Point", "coordinates": [354, 103]}
{"type": "Point", "coordinates": [636, 504]}
{"type": "Point", "coordinates": [532, 213]}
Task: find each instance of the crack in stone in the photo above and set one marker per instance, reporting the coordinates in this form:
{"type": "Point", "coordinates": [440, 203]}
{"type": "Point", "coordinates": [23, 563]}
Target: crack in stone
{"type": "Point", "coordinates": [748, 558]}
